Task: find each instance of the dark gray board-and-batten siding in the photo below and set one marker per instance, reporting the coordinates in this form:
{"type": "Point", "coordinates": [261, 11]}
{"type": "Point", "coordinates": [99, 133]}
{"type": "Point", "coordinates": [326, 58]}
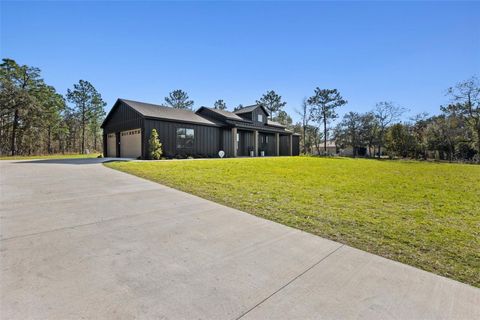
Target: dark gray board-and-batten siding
{"type": "Point", "coordinates": [208, 140]}
{"type": "Point", "coordinates": [296, 145]}
{"type": "Point", "coordinates": [267, 143]}
{"type": "Point", "coordinates": [124, 118]}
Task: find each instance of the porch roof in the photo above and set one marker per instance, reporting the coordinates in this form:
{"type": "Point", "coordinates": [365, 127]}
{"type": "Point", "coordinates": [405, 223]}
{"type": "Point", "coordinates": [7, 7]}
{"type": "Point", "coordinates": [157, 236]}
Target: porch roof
{"type": "Point", "coordinates": [252, 127]}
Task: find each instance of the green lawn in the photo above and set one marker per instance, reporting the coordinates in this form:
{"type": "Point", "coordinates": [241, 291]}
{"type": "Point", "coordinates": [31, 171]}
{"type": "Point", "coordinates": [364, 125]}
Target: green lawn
{"type": "Point", "coordinates": [51, 156]}
{"type": "Point", "coordinates": [423, 214]}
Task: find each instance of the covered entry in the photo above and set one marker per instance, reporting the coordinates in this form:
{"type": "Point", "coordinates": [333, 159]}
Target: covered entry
{"type": "Point", "coordinates": [131, 143]}
{"type": "Point", "coordinates": [266, 144]}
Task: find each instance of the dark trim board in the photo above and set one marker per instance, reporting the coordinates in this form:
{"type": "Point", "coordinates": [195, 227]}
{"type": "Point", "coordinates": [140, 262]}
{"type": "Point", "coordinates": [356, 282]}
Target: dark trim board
{"type": "Point", "coordinates": [213, 131]}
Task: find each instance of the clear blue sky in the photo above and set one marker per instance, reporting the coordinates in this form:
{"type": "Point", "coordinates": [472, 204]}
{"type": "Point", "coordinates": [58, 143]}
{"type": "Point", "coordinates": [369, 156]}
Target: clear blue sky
{"type": "Point", "coordinates": [406, 52]}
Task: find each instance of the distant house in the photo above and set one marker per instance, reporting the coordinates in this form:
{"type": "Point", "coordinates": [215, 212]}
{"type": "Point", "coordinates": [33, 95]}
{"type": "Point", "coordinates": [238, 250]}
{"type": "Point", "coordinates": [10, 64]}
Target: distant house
{"type": "Point", "coordinates": [334, 149]}
{"type": "Point", "coordinates": [245, 132]}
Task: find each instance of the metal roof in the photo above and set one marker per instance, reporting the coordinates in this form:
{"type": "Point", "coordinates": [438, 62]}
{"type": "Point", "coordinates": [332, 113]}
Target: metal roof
{"type": "Point", "coordinates": [224, 113]}
{"type": "Point", "coordinates": [155, 111]}
{"type": "Point", "coordinates": [248, 109]}
{"type": "Point", "coordinates": [275, 124]}
{"type": "Point", "coordinates": [162, 112]}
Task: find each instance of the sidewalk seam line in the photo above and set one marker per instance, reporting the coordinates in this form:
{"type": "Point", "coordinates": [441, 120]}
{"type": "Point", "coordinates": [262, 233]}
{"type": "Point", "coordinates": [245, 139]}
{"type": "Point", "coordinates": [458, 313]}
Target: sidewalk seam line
{"type": "Point", "coordinates": [289, 282]}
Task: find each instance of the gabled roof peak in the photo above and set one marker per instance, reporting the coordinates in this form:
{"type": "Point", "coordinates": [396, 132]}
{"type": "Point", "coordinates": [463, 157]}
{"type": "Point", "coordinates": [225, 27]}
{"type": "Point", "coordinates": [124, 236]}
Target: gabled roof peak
{"type": "Point", "coordinates": [250, 108]}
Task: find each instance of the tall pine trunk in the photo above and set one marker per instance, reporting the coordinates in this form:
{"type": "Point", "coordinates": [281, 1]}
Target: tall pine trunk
{"type": "Point", "coordinates": [83, 130]}
{"type": "Point", "coordinates": [83, 139]}
{"type": "Point", "coordinates": [478, 142]}
{"type": "Point", "coordinates": [305, 140]}
{"type": "Point", "coordinates": [14, 132]}
{"type": "Point", "coordinates": [380, 140]}
{"type": "Point", "coordinates": [49, 140]}
{"type": "Point", "coordinates": [324, 133]}
{"type": "Point", "coordinates": [95, 139]}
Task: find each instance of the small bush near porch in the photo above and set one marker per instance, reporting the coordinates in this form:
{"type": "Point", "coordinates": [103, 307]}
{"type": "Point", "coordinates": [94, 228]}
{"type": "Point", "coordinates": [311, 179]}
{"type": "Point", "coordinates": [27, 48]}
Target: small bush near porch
{"type": "Point", "coordinates": [423, 214]}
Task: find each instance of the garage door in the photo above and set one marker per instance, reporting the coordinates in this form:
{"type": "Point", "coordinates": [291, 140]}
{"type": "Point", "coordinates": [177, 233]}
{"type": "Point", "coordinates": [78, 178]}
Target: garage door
{"type": "Point", "coordinates": [131, 143]}
{"type": "Point", "coordinates": [111, 145]}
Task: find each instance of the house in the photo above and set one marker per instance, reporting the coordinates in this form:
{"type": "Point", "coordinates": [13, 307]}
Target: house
{"type": "Point", "coordinates": [245, 132]}
{"type": "Point", "coordinates": [334, 149]}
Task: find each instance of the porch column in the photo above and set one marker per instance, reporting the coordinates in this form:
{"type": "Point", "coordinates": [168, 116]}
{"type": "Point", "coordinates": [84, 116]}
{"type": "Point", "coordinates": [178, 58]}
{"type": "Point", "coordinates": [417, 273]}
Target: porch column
{"type": "Point", "coordinates": [255, 142]}
{"type": "Point", "coordinates": [290, 139]}
{"type": "Point", "coordinates": [277, 144]}
{"type": "Point", "coordinates": [234, 142]}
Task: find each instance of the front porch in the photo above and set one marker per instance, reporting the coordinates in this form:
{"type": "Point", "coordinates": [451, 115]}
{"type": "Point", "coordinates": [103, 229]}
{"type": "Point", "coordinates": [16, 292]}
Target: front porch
{"type": "Point", "coordinates": [256, 143]}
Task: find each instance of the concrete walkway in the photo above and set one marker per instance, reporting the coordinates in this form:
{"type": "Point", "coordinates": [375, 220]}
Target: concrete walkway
{"type": "Point", "coordinates": [80, 240]}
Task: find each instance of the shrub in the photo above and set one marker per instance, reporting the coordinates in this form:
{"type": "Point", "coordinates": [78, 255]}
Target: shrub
{"type": "Point", "coordinates": [155, 147]}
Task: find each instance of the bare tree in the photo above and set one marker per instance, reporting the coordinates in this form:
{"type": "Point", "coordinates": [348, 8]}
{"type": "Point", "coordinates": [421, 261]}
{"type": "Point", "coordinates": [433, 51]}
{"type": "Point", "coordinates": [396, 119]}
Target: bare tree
{"type": "Point", "coordinates": [370, 129]}
{"type": "Point", "coordinates": [419, 124]}
{"type": "Point", "coordinates": [386, 114]}
{"type": "Point", "coordinates": [305, 114]}
{"type": "Point", "coordinates": [466, 94]}
{"type": "Point", "coordinates": [316, 136]}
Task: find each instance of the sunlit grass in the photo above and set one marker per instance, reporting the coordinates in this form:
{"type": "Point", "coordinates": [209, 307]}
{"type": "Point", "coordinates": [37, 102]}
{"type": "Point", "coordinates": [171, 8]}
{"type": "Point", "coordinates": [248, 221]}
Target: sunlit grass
{"type": "Point", "coordinates": [423, 214]}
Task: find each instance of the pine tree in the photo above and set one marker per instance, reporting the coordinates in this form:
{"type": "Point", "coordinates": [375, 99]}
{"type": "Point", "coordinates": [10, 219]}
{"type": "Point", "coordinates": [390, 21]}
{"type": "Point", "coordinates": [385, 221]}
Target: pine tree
{"type": "Point", "coordinates": [239, 107]}
{"type": "Point", "coordinates": [272, 102]}
{"type": "Point", "coordinates": [324, 103]}
{"type": "Point", "coordinates": [88, 105]}
{"type": "Point", "coordinates": [179, 99]}
{"type": "Point", "coordinates": [220, 105]}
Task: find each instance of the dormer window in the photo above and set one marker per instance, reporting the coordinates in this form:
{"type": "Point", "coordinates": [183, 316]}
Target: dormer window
{"type": "Point", "coordinates": [260, 118]}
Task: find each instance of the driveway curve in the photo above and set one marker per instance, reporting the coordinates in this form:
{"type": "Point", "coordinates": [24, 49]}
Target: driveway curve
{"type": "Point", "coordinates": [79, 240]}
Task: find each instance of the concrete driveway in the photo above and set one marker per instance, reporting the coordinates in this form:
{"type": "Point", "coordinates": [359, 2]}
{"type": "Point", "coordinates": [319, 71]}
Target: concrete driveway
{"type": "Point", "coordinates": [79, 240]}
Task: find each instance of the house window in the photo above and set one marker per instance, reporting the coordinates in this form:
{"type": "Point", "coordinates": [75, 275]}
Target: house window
{"type": "Point", "coordinates": [238, 140]}
{"type": "Point", "coordinates": [260, 118]}
{"type": "Point", "coordinates": [185, 138]}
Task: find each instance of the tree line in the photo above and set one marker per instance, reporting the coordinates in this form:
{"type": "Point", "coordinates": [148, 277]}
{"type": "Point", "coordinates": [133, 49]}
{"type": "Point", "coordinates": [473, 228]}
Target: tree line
{"type": "Point", "coordinates": [36, 119]}
{"type": "Point", "coordinates": [453, 135]}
